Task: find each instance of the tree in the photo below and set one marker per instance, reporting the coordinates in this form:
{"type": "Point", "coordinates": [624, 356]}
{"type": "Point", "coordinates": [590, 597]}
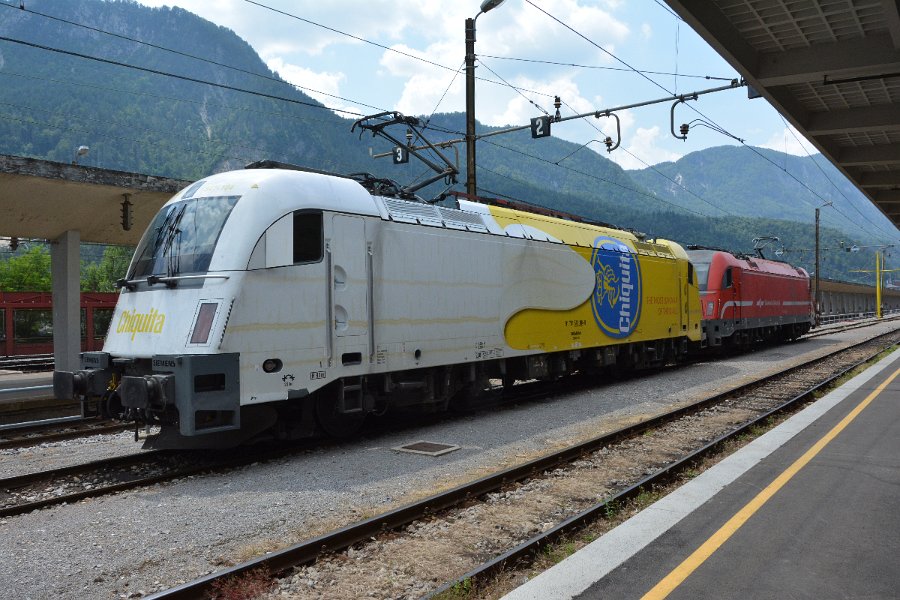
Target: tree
{"type": "Point", "coordinates": [101, 277]}
{"type": "Point", "coordinates": [28, 272]}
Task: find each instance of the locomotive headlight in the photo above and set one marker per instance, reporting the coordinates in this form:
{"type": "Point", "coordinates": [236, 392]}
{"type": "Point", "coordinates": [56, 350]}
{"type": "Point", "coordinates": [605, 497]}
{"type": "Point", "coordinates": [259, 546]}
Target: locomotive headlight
{"type": "Point", "coordinates": [271, 365]}
{"type": "Point", "coordinates": [709, 308]}
{"type": "Point", "coordinates": [203, 322]}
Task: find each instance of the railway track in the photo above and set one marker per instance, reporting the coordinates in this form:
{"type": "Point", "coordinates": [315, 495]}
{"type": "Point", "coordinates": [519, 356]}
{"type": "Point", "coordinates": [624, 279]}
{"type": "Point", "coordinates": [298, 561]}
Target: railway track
{"type": "Point", "coordinates": [484, 504]}
{"type": "Point", "coordinates": [33, 433]}
{"type": "Point", "coordinates": [42, 489]}
{"type": "Point", "coordinates": [848, 326]}
{"type": "Point", "coordinates": [31, 362]}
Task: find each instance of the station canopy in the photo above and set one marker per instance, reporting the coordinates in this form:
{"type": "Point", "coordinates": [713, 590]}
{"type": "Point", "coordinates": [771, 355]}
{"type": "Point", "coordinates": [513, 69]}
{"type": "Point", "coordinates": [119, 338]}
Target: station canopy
{"type": "Point", "coordinates": [831, 67]}
{"type": "Point", "coordinates": [42, 200]}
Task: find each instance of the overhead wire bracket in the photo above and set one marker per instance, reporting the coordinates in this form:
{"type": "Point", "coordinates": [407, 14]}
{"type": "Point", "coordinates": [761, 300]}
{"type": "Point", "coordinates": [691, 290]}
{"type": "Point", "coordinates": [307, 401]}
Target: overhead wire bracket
{"type": "Point", "coordinates": [685, 127]}
{"type": "Point", "coordinates": [608, 141]}
{"type": "Point", "coordinates": [378, 123]}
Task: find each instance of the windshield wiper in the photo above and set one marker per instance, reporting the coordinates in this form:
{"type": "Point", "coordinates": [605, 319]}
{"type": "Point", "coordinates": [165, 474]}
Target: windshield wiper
{"type": "Point", "coordinates": [129, 284]}
{"type": "Point", "coordinates": [173, 233]}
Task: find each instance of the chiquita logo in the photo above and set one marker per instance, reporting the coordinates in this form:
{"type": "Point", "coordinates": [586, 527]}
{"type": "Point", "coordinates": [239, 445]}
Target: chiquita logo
{"type": "Point", "coordinates": [134, 322]}
{"type": "Point", "coordinates": [617, 295]}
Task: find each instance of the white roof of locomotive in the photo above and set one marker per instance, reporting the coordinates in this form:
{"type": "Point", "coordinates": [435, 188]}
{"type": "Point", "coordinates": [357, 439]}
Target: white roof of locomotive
{"type": "Point", "coordinates": [266, 195]}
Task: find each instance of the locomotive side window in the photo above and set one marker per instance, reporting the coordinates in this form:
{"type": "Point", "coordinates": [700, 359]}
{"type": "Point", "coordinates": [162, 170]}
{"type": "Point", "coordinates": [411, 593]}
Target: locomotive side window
{"type": "Point", "coordinates": [690, 274]}
{"type": "Point", "coordinates": [307, 236]}
{"type": "Point", "coordinates": [727, 281]}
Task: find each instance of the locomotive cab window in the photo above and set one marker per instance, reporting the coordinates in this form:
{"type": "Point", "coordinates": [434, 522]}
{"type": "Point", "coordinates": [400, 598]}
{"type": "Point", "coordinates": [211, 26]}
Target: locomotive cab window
{"type": "Point", "coordinates": [182, 237]}
{"type": "Point", "coordinates": [690, 274]}
{"type": "Point", "coordinates": [702, 271]}
{"type": "Point", "coordinates": [307, 236]}
{"type": "Point", "coordinates": [727, 281]}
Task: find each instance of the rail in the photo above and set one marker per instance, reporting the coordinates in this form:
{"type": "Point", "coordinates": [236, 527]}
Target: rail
{"type": "Point", "coordinates": [308, 551]}
{"type": "Point", "coordinates": [24, 390]}
{"type": "Point", "coordinates": [855, 316]}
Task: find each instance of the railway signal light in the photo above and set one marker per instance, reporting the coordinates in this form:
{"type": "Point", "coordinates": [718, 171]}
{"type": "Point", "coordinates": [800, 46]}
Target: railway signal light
{"type": "Point", "coordinates": [126, 213]}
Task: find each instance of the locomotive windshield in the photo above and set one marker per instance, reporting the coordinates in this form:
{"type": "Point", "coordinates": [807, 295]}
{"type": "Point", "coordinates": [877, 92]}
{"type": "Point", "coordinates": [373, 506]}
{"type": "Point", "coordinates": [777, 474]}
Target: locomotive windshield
{"type": "Point", "coordinates": [702, 271]}
{"type": "Point", "coordinates": [182, 237]}
{"type": "Point", "coordinates": [701, 260]}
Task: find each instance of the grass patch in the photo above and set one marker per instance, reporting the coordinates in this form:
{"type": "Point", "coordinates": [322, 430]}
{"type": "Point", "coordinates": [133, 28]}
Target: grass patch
{"type": "Point", "coordinates": [459, 591]}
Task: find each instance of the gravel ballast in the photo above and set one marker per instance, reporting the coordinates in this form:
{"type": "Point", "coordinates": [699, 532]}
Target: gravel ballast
{"type": "Point", "coordinates": [134, 543]}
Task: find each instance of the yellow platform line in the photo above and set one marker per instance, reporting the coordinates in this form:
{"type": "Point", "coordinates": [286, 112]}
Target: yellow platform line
{"type": "Point", "coordinates": [699, 556]}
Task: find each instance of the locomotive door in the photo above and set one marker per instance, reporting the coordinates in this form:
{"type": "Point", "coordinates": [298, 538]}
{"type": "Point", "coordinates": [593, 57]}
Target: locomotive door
{"type": "Point", "coordinates": [349, 288]}
{"type": "Point", "coordinates": [730, 297]}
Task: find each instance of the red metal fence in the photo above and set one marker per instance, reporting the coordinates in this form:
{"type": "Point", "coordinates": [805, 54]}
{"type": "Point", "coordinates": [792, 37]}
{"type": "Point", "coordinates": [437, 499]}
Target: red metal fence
{"type": "Point", "coordinates": [27, 321]}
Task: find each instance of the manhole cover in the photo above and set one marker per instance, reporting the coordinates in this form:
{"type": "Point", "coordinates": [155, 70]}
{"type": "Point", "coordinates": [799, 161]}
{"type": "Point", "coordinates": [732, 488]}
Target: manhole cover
{"type": "Point", "coordinates": [429, 448]}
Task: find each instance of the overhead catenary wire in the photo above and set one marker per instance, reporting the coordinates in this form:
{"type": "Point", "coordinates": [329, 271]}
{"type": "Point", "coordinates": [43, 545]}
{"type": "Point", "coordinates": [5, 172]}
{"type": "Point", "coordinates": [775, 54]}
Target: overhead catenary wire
{"type": "Point", "coordinates": [176, 76]}
{"type": "Point", "coordinates": [592, 176]}
{"type": "Point", "coordinates": [601, 67]}
{"type": "Point", "coordinates": [384, 47]}
{"type": "Point", "coordinates": [108, 136]}
{"type": "Point", "coordinates": [255, 110]}
{"type": "Point", "coordinates": [599, 47]}
{"type": "Point", "coordinates": [696, 110]}
{"type": "Point", "coordinates": [183, 54]}
{"type": "Point", "coordinates": [106, 121]}
{"type": "Point", "coordinates": [517, 90]}
{"type": "Point", "coordinates": [827, 177]}
{"type": "Point", "coordinates": [668, 10]}
{"type": "Point", "coordinates": [654, 169]}
{"type": "Point", "coordinates": [268, 77]}
{"type": "Point", "coordinates": [444, 95]}
{"type": "Point", "coordinates": [376, 44]}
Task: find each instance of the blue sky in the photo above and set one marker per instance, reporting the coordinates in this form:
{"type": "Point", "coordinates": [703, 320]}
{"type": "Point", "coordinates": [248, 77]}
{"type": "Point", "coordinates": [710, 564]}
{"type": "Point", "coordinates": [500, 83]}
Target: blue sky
{"type": "Point", "coordinates": [645, 34]}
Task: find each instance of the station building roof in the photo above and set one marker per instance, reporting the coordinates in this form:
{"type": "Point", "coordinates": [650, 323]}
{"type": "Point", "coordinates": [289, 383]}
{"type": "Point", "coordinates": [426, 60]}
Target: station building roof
{"type": "Point", "coordinates": [831, 67]}
{"type": "Point", "coordinates": [42, 199]}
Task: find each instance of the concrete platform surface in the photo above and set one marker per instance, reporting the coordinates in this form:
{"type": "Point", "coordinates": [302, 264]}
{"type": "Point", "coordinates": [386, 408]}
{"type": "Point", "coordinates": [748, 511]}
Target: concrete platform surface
{"type": "Point", "coordinates": [809, 510]}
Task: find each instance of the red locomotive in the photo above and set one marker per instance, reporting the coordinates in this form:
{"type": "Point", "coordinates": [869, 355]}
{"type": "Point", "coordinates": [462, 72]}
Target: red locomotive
{"type": "Point", "coordinates": [746, 300]}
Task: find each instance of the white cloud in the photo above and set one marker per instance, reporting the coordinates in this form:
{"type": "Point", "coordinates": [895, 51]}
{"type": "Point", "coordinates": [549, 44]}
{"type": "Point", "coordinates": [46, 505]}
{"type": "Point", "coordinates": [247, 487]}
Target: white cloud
{"type": "Point", "coordinates": [527, 32]}
{"type": "Point", "coordinates": [789, 141]}
{"type": "Point", "coordinates": [644, 145]}
{"type": "Point", "coordinates": [517, 110]}
{"type": "Point", "coordinates": [321, 86]}
{"type": "Point", "coordinates": [424, 84]}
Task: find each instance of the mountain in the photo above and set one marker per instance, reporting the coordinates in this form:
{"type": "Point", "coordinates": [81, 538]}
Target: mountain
{"type": "Point", "coordinates": [746, 182]}
{"type": "Point", "coordinates": [136, 120]}
{"type": "Point", "coordinates": [64, 85]}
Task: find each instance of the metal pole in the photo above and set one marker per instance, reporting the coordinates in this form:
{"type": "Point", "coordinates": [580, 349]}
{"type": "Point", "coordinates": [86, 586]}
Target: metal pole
{"type": "Point", "coordinates": [470, 107]}
{"type": "Point", "coordinates": [878, 261]}
{"type": "Point", "coordinates": [817, 268]}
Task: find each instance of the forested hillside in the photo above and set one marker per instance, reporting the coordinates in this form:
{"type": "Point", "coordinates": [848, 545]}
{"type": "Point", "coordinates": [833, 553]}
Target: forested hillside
{"type": "Point", "coordinates": [754, 182]}
{"type": "Point", "coordinates": [51, 102]}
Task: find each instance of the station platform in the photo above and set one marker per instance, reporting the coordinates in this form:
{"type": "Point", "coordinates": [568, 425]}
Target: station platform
{"type": "Point", "coordinates": [809, 510]}
{"type": "Point", "coordinates": [31, 386]}
{"type": "Point", "coordinates": [29, 397]}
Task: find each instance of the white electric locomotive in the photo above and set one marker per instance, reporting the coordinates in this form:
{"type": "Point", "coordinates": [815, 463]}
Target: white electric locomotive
{"type": "Point", "coordinates": [275, 301]}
